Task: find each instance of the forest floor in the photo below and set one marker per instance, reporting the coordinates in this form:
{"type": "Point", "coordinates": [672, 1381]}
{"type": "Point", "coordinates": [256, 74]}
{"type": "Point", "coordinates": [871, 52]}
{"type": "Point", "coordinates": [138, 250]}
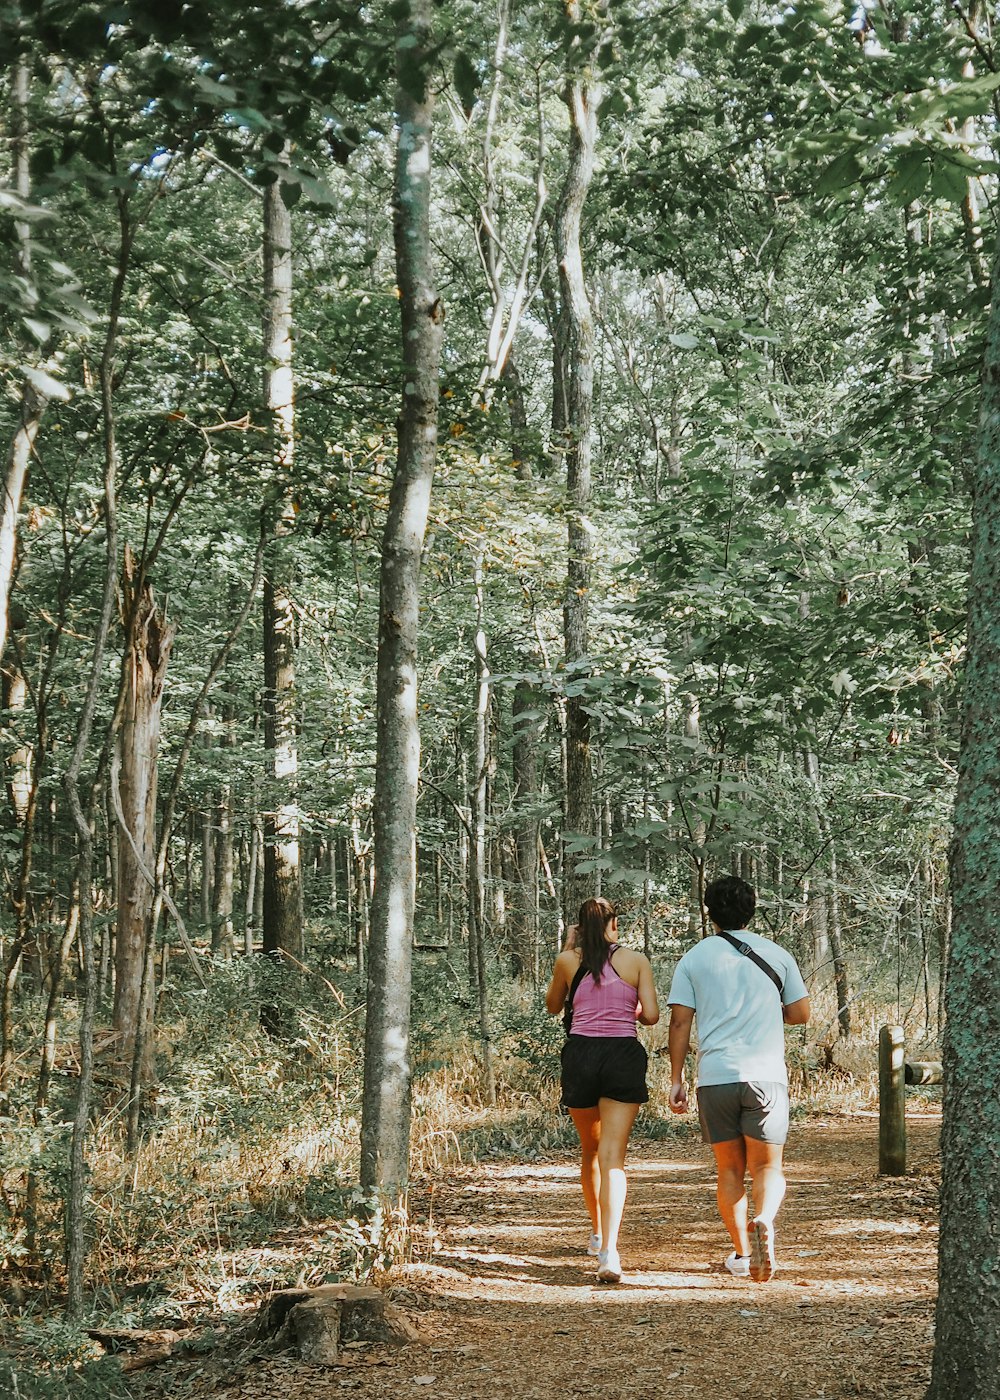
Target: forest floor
{"type": "Point", "coordinates": [508, 1308]}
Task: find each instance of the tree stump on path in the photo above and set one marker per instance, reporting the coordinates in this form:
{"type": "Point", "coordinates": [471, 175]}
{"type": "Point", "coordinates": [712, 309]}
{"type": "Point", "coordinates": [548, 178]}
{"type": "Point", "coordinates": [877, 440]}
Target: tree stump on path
{"type": "Point", "coordinates": [316, 1320]}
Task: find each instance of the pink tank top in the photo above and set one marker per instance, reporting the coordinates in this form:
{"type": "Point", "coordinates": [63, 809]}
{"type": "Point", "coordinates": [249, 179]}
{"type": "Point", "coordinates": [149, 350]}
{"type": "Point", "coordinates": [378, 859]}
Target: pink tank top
{"type": "Point", "coordinates": [607, 1007]}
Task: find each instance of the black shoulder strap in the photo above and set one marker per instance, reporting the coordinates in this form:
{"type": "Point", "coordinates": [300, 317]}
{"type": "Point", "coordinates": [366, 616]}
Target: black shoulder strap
{"type": "Point", "coordinates": [581, 972]}
{"type": "Point", "coordinates": [748, 952]}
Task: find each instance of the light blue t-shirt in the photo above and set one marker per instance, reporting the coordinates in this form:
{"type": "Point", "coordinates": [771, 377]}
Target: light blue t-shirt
{"type": "Point", "coordinates": [737, 1007]}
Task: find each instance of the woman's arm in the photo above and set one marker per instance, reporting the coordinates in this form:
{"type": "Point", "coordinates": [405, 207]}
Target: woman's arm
{"type": "Point", "coordinates": [649, 1007]}
{"type": "Point", "coordinates": [558, 988]}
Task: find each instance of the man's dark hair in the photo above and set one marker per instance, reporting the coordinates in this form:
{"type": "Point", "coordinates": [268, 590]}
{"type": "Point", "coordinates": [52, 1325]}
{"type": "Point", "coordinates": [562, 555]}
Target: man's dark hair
{"type": "Point", "coordinates": [730, 902]}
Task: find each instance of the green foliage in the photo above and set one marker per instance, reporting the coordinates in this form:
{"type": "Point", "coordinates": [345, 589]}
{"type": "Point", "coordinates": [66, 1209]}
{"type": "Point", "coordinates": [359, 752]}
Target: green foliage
{"type": "Point", "coordinates": [55, 1362]}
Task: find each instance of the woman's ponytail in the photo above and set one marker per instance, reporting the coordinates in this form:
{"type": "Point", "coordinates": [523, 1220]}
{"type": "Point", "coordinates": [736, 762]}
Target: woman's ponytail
{"type": "Point", "coordinates": [592, 922]}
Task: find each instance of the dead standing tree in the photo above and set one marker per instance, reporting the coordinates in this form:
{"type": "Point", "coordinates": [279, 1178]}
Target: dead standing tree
{"type": "Point", "coordinates": [149, 638]}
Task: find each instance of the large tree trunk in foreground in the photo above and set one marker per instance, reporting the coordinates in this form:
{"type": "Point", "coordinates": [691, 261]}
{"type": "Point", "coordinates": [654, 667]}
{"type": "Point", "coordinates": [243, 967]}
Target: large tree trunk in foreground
{"type": "Point", "coordinates": [385, 1124]}
{"type": "Point", "coordinates": [148, 641]}
{"type": "Point", "coordinates": [282, 874]}
{"type": "Point", "coordinates": [577, 345]}
{"type": "Point", "coordinates": [967, 1345]}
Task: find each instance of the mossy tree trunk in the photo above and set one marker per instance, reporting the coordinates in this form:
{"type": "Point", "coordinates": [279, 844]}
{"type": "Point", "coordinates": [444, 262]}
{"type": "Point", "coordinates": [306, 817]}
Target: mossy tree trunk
{"type": "Point", "coordinates": [967, 1345]}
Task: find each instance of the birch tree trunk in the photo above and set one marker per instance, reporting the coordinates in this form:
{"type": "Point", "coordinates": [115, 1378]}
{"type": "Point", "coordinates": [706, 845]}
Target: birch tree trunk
{"type": "Point", "coordinates": [385, 1122]}
{"type": "Point", "coordinates": [967, 1340]}
{"type": "Point", "coordinates": [282, 929]}
{"type": "Point", "coordinates": [477, 883]}
{"type": "Point", "coordinates": [582, 98]}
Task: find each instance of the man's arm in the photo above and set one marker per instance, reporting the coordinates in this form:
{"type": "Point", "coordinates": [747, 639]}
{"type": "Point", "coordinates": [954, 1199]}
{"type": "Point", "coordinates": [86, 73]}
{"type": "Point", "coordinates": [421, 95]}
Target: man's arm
{"type": "Point", "coordinates": [796, 1013]}
{"type": "Point", "coordinates": [679, 1042]}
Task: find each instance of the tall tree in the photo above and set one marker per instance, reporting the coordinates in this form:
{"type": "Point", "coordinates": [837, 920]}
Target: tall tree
{"type": "Point", "coordinates": [149, 638]}
{"type": "Point", "coordinates": [576, 353]}
{"type": "Point", "coordinates": [33, 396]}
{"type": "Point", "coordinates": [385, 1124]}
{"type": "Point", "coordinates": [967, 1337]}
{"type": "Point", "coordinates": [282, 871]}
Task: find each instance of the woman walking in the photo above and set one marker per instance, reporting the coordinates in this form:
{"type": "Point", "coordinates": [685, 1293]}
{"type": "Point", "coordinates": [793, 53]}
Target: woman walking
{"type": "Point", "coordinates": [605, 989]}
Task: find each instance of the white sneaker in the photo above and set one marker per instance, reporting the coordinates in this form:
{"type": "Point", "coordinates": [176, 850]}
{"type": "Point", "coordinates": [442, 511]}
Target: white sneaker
{"type": "Point", "coordinates": [738, 1265]}
{"type": "Point", "coordinates": [609, 1267]}
{"type": "Point", "coordinates": [594, 1247]}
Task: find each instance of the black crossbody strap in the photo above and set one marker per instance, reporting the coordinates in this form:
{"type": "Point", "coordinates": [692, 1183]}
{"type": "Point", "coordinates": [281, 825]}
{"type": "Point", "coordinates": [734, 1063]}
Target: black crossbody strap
{"type": "Point", "coordinates": [581, 972]}
{"type": "Point", "coordinates": [748, 952]}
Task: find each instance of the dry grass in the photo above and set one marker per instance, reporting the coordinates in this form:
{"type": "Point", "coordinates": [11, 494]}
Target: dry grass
{"type": "Point", "coordinates": [245, 1176]}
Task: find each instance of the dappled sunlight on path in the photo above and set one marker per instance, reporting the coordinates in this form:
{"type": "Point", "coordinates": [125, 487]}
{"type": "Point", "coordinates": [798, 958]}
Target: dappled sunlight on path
{"type": "Point", "coordinates": [507, 1305]}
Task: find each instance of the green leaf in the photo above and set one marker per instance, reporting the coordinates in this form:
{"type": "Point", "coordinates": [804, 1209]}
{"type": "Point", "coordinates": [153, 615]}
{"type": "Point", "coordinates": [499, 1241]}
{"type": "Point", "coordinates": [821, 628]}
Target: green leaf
{"type": "Point", "coordinates": [45, 384]}
{"type": "Point", "coordinates": [676, 40]}
{"type": "Point", "coordinates": [467, 81]}
{"type": "Point", "coordinates": [846, 170]}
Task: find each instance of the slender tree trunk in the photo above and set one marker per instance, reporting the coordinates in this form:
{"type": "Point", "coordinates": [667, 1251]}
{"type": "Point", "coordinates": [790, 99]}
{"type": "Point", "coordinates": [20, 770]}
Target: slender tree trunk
{"type": "Point", "coordinates": [33, 401]}
{"type": "Point", "coordinates": [76, 1221]}
{"type": "Point", "coordinates": [967, 1339]}
{"type": "Point", "coordinates": [825, 902]}
{"type": "Point", "coordinates": [524, 887]}
{"type": "Point", "coordinates": [582, 98]}
{"type": "Point", "coordinates": [477, 903]}
{"type": "Point", "coordinates": [148, 644]}
{"type": "Point", "coordinates": [282, 869]}
{"type": "Point", "coordinates": [223, 932]}
{"type": "Point", "coordinates": [385, 1124]}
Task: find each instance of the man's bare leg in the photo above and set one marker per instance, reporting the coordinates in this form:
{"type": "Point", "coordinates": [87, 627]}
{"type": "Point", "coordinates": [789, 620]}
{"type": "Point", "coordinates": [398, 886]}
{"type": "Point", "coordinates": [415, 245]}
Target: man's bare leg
{"type": "Point", "coordinates": [731, 1193]}
{"type": "Point", "coordinates": [764, 1161]}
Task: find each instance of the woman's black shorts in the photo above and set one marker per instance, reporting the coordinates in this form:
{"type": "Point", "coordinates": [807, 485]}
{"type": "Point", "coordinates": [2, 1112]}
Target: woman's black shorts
{"type": "Point", "coordinates": [603, 1067]}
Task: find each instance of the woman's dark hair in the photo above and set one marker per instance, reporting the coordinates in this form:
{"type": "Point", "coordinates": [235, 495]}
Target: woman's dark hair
{"type": "Point", "coordinates": [730, 902]}
{"type": "Point", "coordinates": [592, 920]}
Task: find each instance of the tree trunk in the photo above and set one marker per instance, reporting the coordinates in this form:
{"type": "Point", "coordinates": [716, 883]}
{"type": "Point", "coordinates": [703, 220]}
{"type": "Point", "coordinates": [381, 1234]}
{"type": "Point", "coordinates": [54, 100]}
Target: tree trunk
{"type": "Point", "coordinates": [825, 903]}
{"type": "Point", "coordinates": [148, 641]}
{"type": "Point", "coordinates": [967, 1341]}
{"type": "Point", "coordinates": [33, 402]}
{"type": "Point", "coordinates": [83, 821]}
{"type": "Point", "coordinates": [477, 883]}
{"type": "Point", "coordinates": [223, 933]}
{"type": "Point", "coordinates": [524, 887]}
{"type": "Point", "coordinates": [577, 353]}
{"type": "Point", "coordinates": [385, 1123]}
{"type": "Point", "coordinates": [282, 872]}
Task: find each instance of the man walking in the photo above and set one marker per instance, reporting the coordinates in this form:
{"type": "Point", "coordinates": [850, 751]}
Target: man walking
{"type": "Point", "coordinates": [744, 989]}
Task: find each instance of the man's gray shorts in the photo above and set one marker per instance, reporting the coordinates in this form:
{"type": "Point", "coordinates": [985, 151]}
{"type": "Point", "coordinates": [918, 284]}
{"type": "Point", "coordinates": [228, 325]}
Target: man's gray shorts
{"type": "Point", "coordinates": [754, 1108]}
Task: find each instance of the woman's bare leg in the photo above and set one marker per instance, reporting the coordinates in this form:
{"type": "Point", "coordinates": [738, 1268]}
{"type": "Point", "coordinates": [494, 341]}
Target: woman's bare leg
{"type": "Point", "coordinates": [588, 1126]}
{"type": "Point", "coordinates": [616, 1125]}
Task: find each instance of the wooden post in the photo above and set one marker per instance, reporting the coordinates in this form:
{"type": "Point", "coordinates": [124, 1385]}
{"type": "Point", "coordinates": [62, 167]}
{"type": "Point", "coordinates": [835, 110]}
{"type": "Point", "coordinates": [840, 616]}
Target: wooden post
{"type": "Point", "coordinates": [891, 1102]}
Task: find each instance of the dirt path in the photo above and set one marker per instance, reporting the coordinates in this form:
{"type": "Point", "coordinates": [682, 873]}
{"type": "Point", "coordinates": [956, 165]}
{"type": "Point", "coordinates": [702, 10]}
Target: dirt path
{"type": "Point", "coordinates": [509, 1308]}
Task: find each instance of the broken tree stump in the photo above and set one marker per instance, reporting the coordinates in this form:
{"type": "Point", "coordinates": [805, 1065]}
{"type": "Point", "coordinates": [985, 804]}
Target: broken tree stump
{"type": "Point", "coordinates": [316, 1320]}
